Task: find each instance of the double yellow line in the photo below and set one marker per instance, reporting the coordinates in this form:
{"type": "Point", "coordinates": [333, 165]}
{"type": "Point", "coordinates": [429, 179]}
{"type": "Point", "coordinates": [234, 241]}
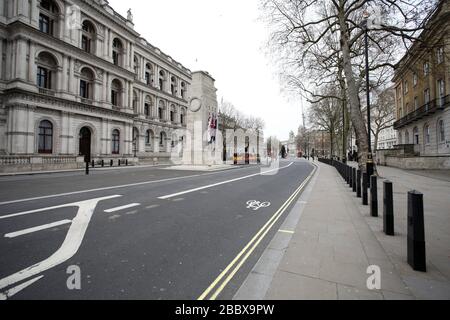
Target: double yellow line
{"type": "Point", "coordinates": [218, 285]}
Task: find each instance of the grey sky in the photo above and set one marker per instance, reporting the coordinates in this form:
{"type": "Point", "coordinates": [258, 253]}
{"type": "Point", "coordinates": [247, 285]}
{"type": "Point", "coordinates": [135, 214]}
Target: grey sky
{"type": "Point", "coordinates": [227, 40]}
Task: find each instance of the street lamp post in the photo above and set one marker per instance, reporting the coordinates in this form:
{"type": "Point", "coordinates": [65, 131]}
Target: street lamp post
{"type": "Point", "coordinates": [369, 164]}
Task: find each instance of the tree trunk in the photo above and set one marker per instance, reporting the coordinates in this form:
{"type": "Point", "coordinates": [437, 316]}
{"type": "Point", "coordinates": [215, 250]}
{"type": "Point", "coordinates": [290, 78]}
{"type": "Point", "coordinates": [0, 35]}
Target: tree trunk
{"type": "Point", "coordinates": [353, 96]}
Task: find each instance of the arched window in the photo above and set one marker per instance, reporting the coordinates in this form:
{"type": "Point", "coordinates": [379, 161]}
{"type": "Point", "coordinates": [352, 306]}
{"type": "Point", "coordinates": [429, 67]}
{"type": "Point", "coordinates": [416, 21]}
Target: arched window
{"type": "Point", "coordinates": [148, 107]}
{"type": "Point", "coordinates": [117, 52]}
{"type": "Point", "coordinates": [426, 134]}
{"type": "Point", "coordinates": [183, 90]}
{"type": "Point", "coordinates": [135, 102]}
{"type": "Point", "coordinates": [441, 131]}
{"type": "Point", "coordinates": [116, 93]}
{"type": "Point", "coordinates": [161, 108]}
{"type": "Point", "coordinates": [149, 138]}
{"type": "Point", "coordinates": [45, 144]}
{"type": "Point", "coordinates": [183, 117]}
{"type": "Point", "coordinates": [48, 17]}
{"type": "Point", "coordinates": [162, 139]}
{"type": "Point", "coordinates": [162, 78]}
{"type": "Point", "coordinates": [115, 142]}
{"type": "Point", "coordinates": [136, 65]}
{"type": "Point", "coordinates": [46, 69]}
{"type": "Point", "coordinates": [172, 113]}
{"type": "Point", "coordinates": [173, 85]}
{"type": "Point", "coordinates": [416, 135]}
{"type": "Point", "coordinates": [148, 74]}
{"type": "Point", "coordinates": [86, 83]}
{"type": "Point", "coordinates": [88, 37]}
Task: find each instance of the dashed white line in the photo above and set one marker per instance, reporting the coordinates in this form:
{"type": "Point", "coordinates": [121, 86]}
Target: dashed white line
{"type": "Point", "coordinates": [128, 206]}
{"type": "Point", "coordinates": [38, 228]}
{"type": "Point", "coordinates": [221, 183]}
{"type": "Point", "coordinates": [286, 231]}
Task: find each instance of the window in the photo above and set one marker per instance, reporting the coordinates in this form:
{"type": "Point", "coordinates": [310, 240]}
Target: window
{"type": "Point", "coordinates": [173, 85]}
{"type": "Point", "coordinates": [426, 132]}
{"type": "Point", "coordinates": [183, 90]}
{"type": "Point", "coordinates": [43, 78]}
{"type": "Point", "coordinates": [160, 113]}
{"type": "Point", "coordinates": [182, 118]}
{"type": "Point", "coordinates": [426, 95]}
{"type": "Point", "coordinates": [416, 103]}
{"type": "Point", "coordinates": [148, 74]}
{"type": "Point", "coordinates": [147, 78]}
{"type": "Point", "coordinates": [117, 52]}
{"type": "Point", "coordinates": [161, 80]}
{"type": "Point", "coordinates": [46, 66]}
{"type": "Point", "coordinates": [86, 81]}
{"type": "Point", "coordinates": [88, 35]}
{"type": "Point", "coordinates": [426, 68]}
{"type": "Point", "coordinates": [441, 92]}
{"type": "Point", "coordinates": [147, 110]}
{"type": "Point", "coordinates": [136, 65]}
{"type": "Point", "coordinates": [45, 144]}
{"type": "Point", "coordinates": [416, 135]}
{"type": "Point", "coordinates": [172, 116]}
{"type": "Point", "coordinates": [48, 17]}
{"type": "Point", "coordinates": [115, 142]}
{"type": "Point", "coordinates": [440, 55]}
{"type": "Point", "coordinates": [415, 78]}
{"type": "Point", "coordinates": [148, 138]}
{"type": "Point", "coordinates": [405, 88]}
{"type": "Point", "coordinates": [441, 131]}
{"type": "Point", "coordinates": [162, 138]}
{"type": "Point", "coordinates": [116, 88]}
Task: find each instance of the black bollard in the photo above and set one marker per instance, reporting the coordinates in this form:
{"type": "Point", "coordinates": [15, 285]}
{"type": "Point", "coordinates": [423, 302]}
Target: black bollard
{"type": "Point", "coordinates": [358, 183]}
{"type": "Point", "coordinates": [388, 209]}
{"type": "Point", "coordinates": [119, 162]}
{"type": "Point", "coordinates": [354, 179]}
{"type": "Point", "coordinates": [93, 163]}
{"type": "Point", "coordinates": [350, 176]}
{"type": "Point", "coordinates": [126, 162]}
{"type": "Point", "coordinates": [111, 163]}
{"type": "Point", "coordinates": [416, 232]}
{"type": "Point", "coordinates": [373, 196]}
{"type": "Point", "coordinates": [87, 168]}
{"type": "Point", "coordinates": [103, 163]}
{"type": "Point", "coordinates": [365, 200]}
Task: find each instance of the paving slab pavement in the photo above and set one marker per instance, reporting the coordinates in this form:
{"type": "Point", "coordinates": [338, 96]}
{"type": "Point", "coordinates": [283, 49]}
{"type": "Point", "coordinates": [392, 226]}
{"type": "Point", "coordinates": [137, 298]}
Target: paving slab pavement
{"type": "Point", "coordinates": [336, 240]}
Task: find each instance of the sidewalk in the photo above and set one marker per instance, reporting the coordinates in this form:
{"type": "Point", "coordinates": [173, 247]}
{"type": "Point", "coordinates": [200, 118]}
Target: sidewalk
{"type": "Point", "coordinates": [336, 240]}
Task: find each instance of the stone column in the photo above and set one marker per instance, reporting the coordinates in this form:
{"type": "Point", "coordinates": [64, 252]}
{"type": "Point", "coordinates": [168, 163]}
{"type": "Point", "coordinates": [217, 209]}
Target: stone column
{"type": "Point", "coordinates": [32, 69]}
{"type": "Point", "coordinates": [34, 19]}
{"type": "Point", "coordinates": [72, 80]}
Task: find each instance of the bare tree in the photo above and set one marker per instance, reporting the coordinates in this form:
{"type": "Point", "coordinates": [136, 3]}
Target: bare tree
{"type": "Point", "coordinates": [317, 39]}
{"type": "Point", "coordinates": [383, 113]}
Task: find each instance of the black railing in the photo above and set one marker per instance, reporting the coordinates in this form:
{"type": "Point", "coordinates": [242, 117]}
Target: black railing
{"type": "Point", "coordinates": [423, 111]}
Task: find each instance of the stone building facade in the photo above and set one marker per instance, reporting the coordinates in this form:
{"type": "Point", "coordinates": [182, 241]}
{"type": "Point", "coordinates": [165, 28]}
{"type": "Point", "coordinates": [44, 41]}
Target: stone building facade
{"type": "Point", "coordinates": [422, 84]}
{"type": "Point", "coordinates": [77, 82]}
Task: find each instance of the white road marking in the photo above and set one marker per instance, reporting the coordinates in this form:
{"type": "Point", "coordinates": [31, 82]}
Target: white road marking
{"type": "Point", "coordinates": [38, 228]}
{"type": "Point", "coordinates": [286, 231]}
{"type": "Point", "coordinates": [256, 205]}
{"type": "Point", "coordinates": [221, 183]}
{"type": "Point", "coordinates": [152, 206]}
{"type": "Point", "coordinates": [68, 248]}
{"type": "Point", "coordinates": [128, 206]}
{"type": "Point", "coordinates": [113, 187]}
{"type": "Point", "coordinates": [43, 209]}
{"type": "Point", "coordinates": [9, 293]}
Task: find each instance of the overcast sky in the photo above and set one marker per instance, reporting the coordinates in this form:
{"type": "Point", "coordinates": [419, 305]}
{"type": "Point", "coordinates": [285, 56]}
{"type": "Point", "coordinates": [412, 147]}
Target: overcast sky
{"type": "Point", "coordinates": [225, 38]}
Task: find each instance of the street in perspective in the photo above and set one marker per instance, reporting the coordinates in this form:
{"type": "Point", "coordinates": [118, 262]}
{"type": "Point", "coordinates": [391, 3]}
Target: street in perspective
{"type": "Point", "coordinates": [301, 151]}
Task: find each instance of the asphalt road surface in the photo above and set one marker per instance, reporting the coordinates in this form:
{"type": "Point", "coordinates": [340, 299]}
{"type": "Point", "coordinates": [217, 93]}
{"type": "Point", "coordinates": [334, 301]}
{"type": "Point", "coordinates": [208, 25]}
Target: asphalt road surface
{"type": "Point", "coordinates": [140, 233]}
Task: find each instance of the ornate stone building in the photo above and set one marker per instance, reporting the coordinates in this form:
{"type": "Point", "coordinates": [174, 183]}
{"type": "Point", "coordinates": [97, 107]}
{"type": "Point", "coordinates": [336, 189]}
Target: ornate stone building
{"type": "Point", "coordinates": [422, 83]}
{"type": "Point", "coordinates": [78, 82]}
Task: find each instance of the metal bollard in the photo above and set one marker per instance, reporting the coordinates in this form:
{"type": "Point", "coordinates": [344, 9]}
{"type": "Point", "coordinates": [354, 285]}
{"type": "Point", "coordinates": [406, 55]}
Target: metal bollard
{"type": "Point", "coordinates": [358, 183]}
{"type": "Point", "coordinates": [119, 162]}
{"type": "Point", "coordinates": [350, 177]}
{"type": "Point", "coordinates": [373, 196]}
{"type": "Point", "coordinates": [87, 168]}
{"type": "Point", "coordinates": [416, 232]}
{"type": "Point", "coordinates": [354, 179]}
{"type": "Point", "coordinates": [126, 162]}
{"type": "Point", "coordinates": [388, 209]}
{"type": "Point", "coordinates": [111, 163]}
{"type": "Point", "coordinates": [365, 200]}
{"type": "Point", "coordinates": [103, 163]}
{"type": "Point", "coordinates": [93, 163]}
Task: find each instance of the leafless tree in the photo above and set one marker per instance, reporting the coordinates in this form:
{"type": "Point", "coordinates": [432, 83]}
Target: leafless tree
{"type": "Point", "coordinates": [315, 40]}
